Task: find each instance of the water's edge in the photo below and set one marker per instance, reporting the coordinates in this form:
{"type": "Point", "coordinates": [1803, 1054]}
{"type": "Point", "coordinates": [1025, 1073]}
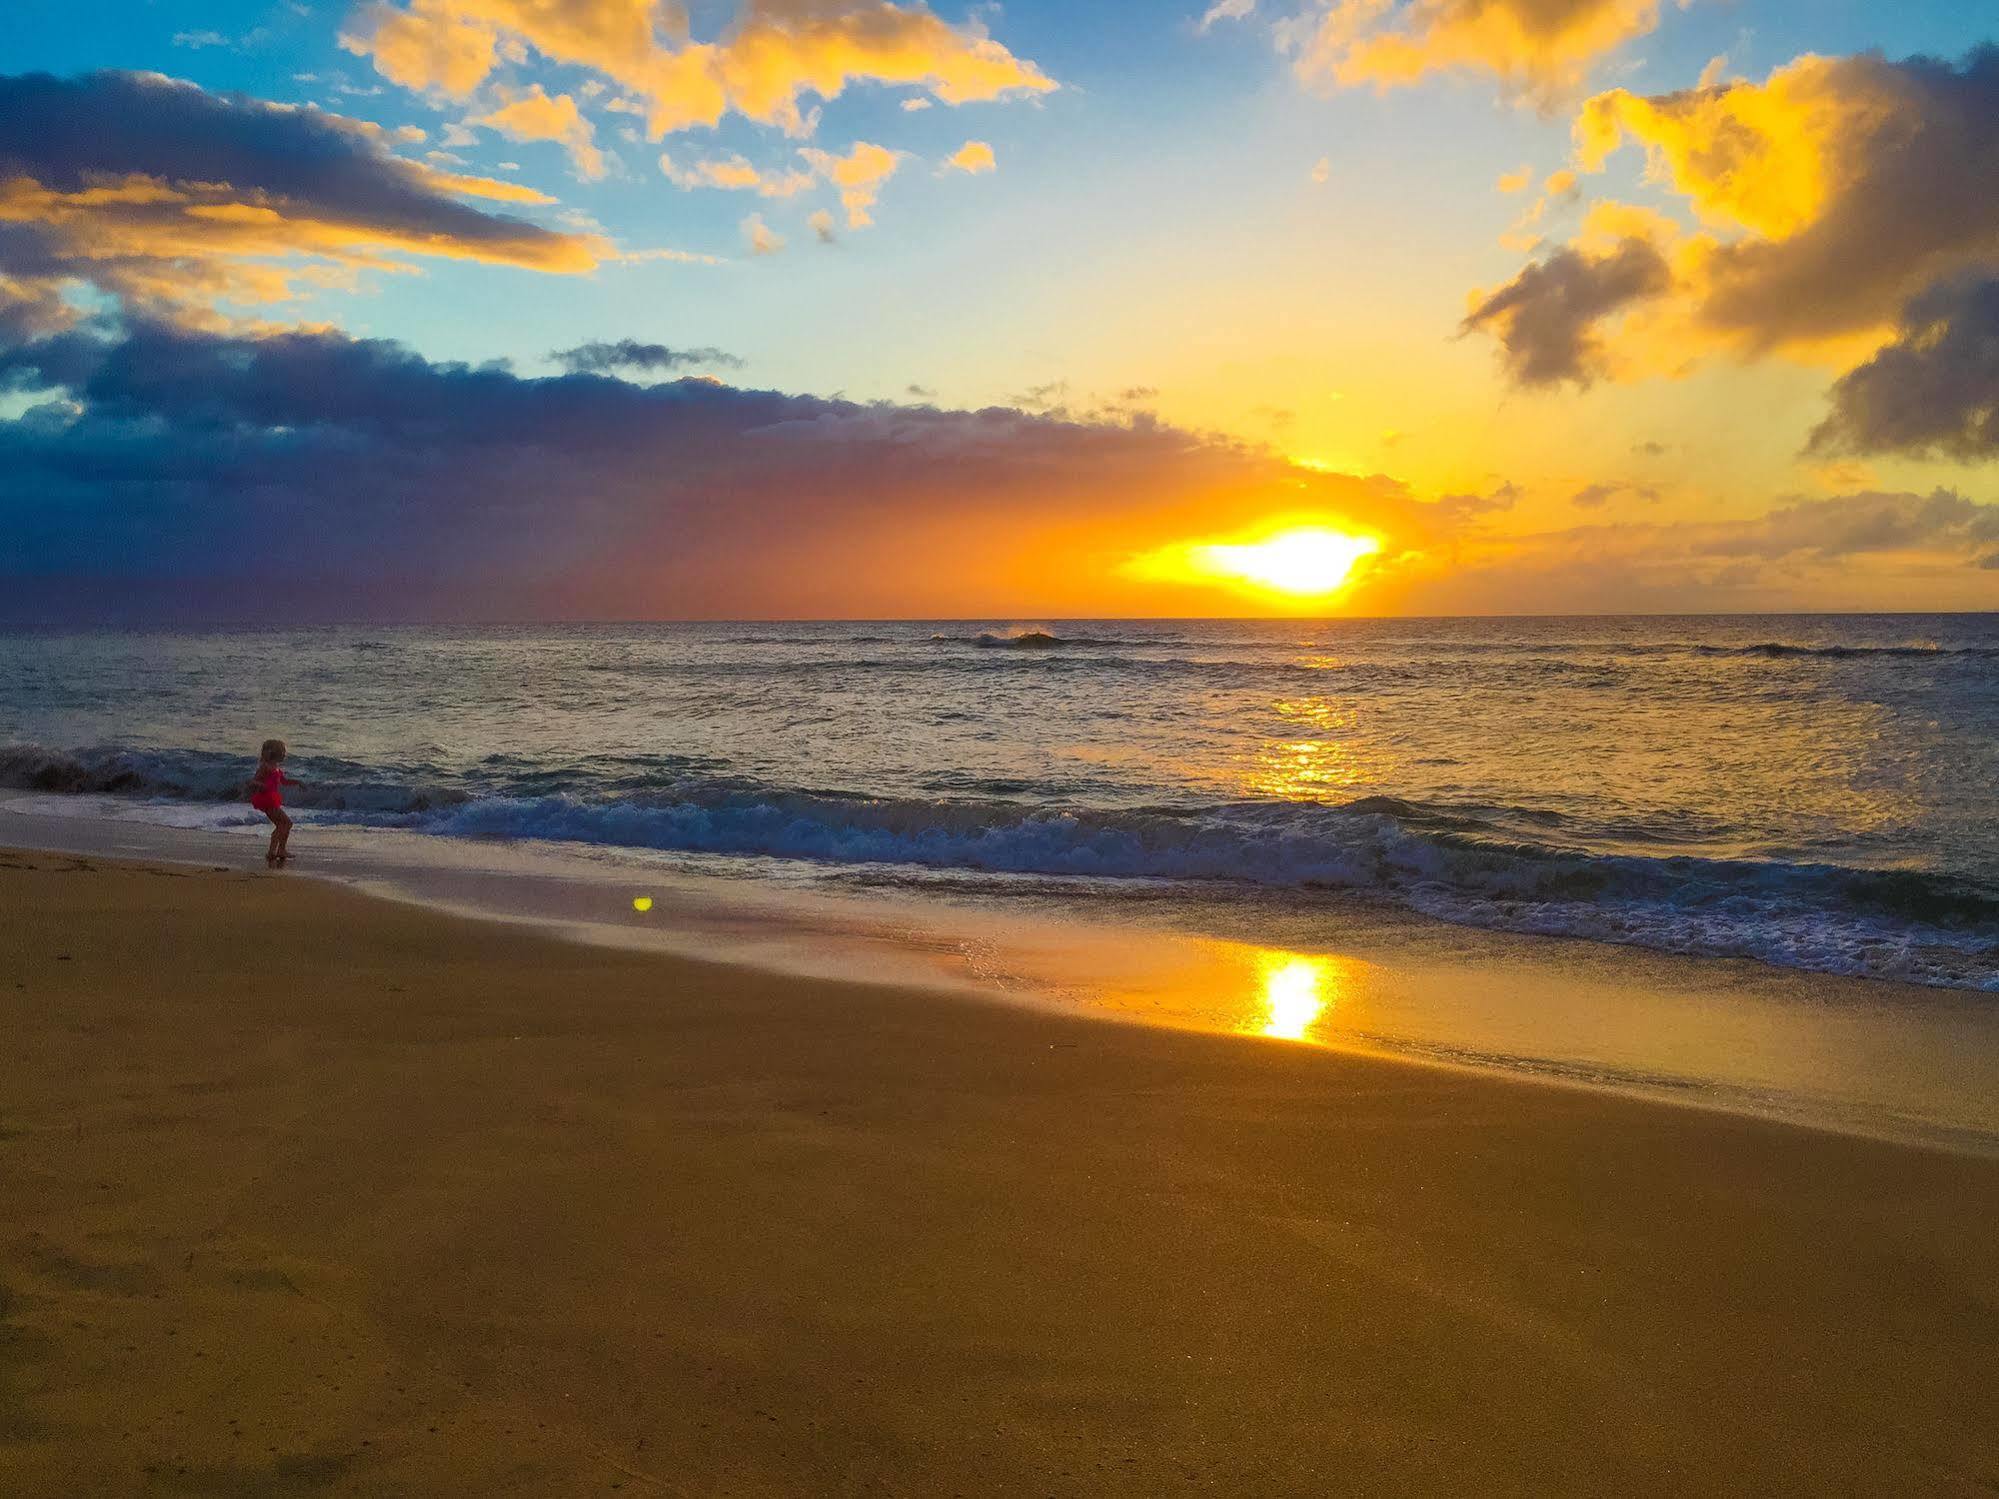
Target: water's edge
{"type": "Point", "coordinates": [1398, 994]}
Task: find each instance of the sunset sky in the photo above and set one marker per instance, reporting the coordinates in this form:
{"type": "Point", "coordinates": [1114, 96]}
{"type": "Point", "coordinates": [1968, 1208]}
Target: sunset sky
{"type": "Point", "coordinates": [507, 309]}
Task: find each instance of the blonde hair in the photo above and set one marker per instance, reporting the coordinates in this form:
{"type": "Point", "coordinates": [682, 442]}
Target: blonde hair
{"type": "Point", "coordinates": [274, 749]}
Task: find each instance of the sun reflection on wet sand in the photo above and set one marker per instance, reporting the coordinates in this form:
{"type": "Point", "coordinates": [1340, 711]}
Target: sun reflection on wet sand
{"type": "Point", "coordinates": [1296, 991]}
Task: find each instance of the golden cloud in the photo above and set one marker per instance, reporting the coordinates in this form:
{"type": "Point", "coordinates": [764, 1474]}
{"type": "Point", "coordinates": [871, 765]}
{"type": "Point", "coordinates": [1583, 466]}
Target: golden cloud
{"type": "Point", "coordinates": [1539, 47]}
{"type": "Point", "coordinates": [859, 176]}
{"type": "Point", "coordinates": [1831, 194]}
{"type": "Point", "coordinates": [537, 115]}
{"type": "Point", "coordinates": [1826, 199]}
{"type": "Point", "coordinates": [428, 46]}
{"type": "Point", "coordinates": [973, 157]}
{"type": "Point", "coordinates": [733, 173]}
{"type": "Point", "coordinates": [774, 54]}
{"type": "Point", "coordinates": [177, 201]}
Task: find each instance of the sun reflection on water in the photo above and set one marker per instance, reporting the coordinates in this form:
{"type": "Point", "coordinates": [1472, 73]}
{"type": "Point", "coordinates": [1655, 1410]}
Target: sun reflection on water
{"type": "Point", "coordinates": [1326, 758]}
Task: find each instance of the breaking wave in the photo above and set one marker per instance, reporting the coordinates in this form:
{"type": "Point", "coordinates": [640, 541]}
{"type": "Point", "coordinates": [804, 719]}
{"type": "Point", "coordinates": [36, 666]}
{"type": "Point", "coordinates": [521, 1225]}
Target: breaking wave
{"type": "Point", "coordinates": [1513, 868]}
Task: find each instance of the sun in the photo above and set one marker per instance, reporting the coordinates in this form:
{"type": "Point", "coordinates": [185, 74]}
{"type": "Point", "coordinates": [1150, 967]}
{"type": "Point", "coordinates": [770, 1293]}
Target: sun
{"type": "Point", "coordinates": [1305, 562]}
{"type": "Point", "coordinates": [1301, 563]}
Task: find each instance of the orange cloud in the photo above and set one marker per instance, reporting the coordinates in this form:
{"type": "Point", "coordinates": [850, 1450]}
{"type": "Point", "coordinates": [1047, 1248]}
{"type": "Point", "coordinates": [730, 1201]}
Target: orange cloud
{"type": "Point", "coordinates": [774, 54]}
{"type": "Point", "coordinates": [1832, 193]}
{"type": "Point", "coordinates": [537, 115]}
{"type": "Point", "coordinates": [430, 45]}
{"type": "Point", "coordinates": [859, 176]}
{"type": "Point", "coordinates": [735, 174]}
{"type": "Point", "coordinates": [973, 157]}
{"type": "Point", "coordinates": [1539, 47]}
{"type": "Point", "coordinates": [1827, 198]}
{"type": "Point", "coordinates": [276, 200]}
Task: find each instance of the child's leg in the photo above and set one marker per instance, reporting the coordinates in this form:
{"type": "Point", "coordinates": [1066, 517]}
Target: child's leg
{"type": "Point", "coordinates": [276, 848]}
{"type": "Point", "coordinates": [282, 833]}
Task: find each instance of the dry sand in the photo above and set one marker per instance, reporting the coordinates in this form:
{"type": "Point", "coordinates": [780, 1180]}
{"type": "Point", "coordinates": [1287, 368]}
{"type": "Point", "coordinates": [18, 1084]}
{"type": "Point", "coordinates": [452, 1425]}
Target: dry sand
{"type": "Point", "coordinates": [309, 1194]}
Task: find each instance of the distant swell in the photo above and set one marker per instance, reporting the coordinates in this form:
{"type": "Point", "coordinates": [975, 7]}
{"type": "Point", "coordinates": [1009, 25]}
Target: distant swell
{"type": "Point", "coordinates": [1487, 866]}
{"type": "Point", "coordinates": [1777, 649]}
{"type": "Point", "coordinates": [1023, 640]}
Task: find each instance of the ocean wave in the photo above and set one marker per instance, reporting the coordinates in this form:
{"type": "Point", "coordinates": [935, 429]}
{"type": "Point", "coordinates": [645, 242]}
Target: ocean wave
{"type": "Point", "coordinates": [1446, 862]}
{"type": "Point", "coordinates": [826, 639]}
{"type": "Point", "coordinates": [1031, 640]}
{"type": "Point", "coordinates": [1522, 869]}
{"type": "Point", "coordinates": [336, 786]}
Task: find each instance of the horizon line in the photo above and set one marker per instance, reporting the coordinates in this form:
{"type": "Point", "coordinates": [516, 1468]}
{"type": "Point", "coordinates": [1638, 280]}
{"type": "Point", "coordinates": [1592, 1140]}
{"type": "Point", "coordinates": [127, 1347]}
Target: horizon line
{"type": "Point", "coordinates": [1017, 619]}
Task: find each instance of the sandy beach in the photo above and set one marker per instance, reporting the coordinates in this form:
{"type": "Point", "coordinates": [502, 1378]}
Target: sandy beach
{"type": "Point", "coordinates": [309, 1193]}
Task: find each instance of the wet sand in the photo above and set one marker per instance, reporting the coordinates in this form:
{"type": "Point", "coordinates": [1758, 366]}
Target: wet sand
{"type": "Point", "coordinates": [312, 1194]}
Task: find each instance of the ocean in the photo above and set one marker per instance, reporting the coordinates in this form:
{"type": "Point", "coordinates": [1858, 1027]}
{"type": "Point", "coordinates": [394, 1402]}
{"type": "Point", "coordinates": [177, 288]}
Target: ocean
{"type": "Point", "coordinates": [1817, 793]}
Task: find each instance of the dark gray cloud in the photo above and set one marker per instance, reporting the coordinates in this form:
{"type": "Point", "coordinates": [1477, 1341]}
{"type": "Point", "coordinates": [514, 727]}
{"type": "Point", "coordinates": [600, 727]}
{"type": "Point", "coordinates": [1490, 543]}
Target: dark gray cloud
{"type": "Point", "coordinates": [1910, 200]}
{"type": "Point", "coordinates": [1850, 525]}
{"type": "Point", "coordinates": [1469, 509]}
{"type": "Point", "coordinates": [1595, 496]}
{"type": "Point", "coordinates": [601, 358]}
{"type": "Point", "coordinates": [1546, 317]}
{"type": "Point", "coordinates": [171, 197]}
{"type": "Point", "coordinates": [1867, 550]}
{"type": "Point", "coordinates": [172, 471]}
{"type": "Point", "coordinates": [1884, 171]}
{"type": "Point", "coordinates": [1934, 391]}
{"type": "Point", "coordinates": [1054, 396]}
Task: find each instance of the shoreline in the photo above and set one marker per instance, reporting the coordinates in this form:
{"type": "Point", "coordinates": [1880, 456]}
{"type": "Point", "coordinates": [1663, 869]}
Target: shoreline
{"type": "Point", "coordinates": [1866, 1057]}
{"type": "Point", "coordinates": [380, 1199]}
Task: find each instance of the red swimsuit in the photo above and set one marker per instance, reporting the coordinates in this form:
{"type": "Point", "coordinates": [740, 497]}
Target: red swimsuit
{"type": "Point", "coordinates": [270, 781]}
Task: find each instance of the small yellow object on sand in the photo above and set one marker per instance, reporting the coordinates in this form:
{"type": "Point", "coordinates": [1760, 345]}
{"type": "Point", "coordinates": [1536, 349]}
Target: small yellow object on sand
{"type": "Point", "coordinates": [641, 902]}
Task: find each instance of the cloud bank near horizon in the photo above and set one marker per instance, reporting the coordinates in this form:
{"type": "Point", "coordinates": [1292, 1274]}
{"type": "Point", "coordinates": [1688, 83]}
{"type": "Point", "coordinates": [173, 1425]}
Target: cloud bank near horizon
{"type": "Point", "coordinates": [171, 472]}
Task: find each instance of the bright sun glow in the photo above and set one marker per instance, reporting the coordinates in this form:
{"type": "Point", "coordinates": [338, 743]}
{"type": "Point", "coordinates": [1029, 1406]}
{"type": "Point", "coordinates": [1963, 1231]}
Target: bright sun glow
{"type": "Point", "coordinates": [1307, 562]}
{"type": "Point", "coordinates": [1294, 994]}
{"type": "Point", "coordinates": [1297, 563]}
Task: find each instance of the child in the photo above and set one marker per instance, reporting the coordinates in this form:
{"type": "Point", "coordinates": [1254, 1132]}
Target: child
{"type": "Point", "coordinates": [268, 797]}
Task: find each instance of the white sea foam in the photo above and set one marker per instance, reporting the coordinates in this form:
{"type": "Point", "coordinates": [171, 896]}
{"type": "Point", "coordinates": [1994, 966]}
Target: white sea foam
{"type": "Point", "coordinates": [1812, 792]}
{"type": "Point", "coordinates": [1461, 864]}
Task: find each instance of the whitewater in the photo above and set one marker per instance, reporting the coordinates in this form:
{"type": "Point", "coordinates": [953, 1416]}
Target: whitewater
{"type": "Point", "coordinates": [1818, 793]}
